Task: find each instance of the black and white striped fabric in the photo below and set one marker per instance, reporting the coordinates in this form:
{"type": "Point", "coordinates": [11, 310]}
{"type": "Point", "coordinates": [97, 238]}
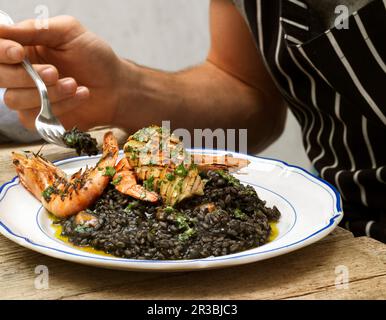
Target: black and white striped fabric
{"type": "Point", "coordinates": [335, 83]}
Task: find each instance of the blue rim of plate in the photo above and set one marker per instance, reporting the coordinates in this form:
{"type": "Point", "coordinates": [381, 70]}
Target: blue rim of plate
{"type": "Point", "coordinates": [337, 216]}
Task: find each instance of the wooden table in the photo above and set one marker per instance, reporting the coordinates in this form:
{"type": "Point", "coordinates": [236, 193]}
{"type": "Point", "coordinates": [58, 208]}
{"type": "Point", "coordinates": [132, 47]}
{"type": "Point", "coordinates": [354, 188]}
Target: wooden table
{"type": "Point", "coordinates": [310, 273]}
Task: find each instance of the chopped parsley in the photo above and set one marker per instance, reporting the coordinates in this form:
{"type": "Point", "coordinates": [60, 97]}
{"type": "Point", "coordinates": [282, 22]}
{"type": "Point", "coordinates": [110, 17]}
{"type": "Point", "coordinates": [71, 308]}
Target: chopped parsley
{"type": "Point", "coordinates": [133, 156]}
{"type": "Point", "coordinates": [181, 171]}
{"type": "Point", "coordinates": [149, 184]}
{"type": "Point", "coordinates": [239, 214]}
{"type": "Point", "coordinates": [117, 181]}
{"type": "Point", "coordinates": [169, 210]}
{"type": "Point", "coordinates": [83, 229]}
{"type": "Point", "coordinates": [110, 172]}
{"type": "Point", "coordinates": [229, 178]}
{"type": "Point", "coordinates": [182, 221]}
{"type": "Point", "coordinates": [180, 185]}
{"type": "Point", "coordinates": [47, 194]}
{"type": "Point", "coordinates": [129, 149]}
{"type": "Point", "coordinates": [145, 134]}
{"type": "Point", "coordinates": [183, 224]}
{"type": "Point", "coordinates": [170, 177]}
{"type": "Point", "coordinates": [132, 206]}
{"type": "Point", "coordinates": [187, 235]}
{"type": "Point", "coordinates": [133, 152]}
{"type": "Point", "coordinates": [160, 183]}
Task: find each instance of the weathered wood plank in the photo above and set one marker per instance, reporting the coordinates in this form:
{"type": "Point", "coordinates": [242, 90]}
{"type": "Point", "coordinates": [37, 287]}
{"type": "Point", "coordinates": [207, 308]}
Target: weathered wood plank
{"type": "Point", "coordinates": [372, 288]}
{"type": "Point", "coordinates": [306, 272]}
{"type": "Point", "coordinates": [338, 234]}
{"type": "Point", "coordinates": [17, 275]}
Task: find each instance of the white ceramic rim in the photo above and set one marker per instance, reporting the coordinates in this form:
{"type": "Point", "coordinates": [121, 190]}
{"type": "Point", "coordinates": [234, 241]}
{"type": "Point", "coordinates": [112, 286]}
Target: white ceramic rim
{"type": "Point", "coordinates": [183, 265]}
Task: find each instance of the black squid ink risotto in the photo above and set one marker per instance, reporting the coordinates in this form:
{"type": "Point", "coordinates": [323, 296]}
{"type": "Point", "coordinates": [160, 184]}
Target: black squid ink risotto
{"type": "Point", "coordinates": [229, 218]}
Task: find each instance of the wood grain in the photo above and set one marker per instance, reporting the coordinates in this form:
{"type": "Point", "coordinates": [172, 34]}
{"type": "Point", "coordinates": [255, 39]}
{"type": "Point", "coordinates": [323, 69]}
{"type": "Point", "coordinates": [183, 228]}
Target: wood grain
{"type": "Point", "coordinates": [306, 274]}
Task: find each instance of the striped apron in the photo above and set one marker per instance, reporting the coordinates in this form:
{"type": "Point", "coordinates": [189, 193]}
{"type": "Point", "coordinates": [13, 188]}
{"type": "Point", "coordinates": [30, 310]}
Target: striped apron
{"type": "Point", "coordinates": [334, 81]}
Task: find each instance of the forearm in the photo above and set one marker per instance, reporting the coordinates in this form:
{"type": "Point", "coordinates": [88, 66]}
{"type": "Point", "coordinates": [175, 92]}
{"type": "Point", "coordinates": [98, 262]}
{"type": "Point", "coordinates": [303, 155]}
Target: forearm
{"type": "Point", "coordinates": [199, 98]}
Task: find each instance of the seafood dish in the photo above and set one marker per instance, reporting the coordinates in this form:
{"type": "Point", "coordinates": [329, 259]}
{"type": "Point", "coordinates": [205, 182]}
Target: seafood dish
{"type": "Point", "coordinates": [158, 202]}
{"type": "Point", "coordinates": [82, 142]}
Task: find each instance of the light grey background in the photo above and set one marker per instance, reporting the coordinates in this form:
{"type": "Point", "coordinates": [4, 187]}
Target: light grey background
{"type": "Point", "coordinates": [164, 34]}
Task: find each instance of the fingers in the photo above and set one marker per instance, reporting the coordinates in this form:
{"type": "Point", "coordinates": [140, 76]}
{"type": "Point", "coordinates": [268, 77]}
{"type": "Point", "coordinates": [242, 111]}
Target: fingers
{"type": "Point", "coordinates": [60, 30]}
{"type": "Point", "coordinates": [11, 52]}
{"type": "Point", "coordinates": [60, 109]}
{"type": "Point", "coordinates": [29, 98]}
{"type": "Point", "coordinates": [12, 76]}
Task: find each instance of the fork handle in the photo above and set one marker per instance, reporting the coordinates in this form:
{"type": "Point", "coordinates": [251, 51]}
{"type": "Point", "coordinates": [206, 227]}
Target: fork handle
{"type": "Point", "coordinates": [42, 88]}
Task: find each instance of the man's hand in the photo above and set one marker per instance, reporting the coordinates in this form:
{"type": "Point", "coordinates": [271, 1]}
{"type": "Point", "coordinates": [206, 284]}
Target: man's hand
{"type": "Point", "coordinates": [80, 70]}
{"type": "Point", "coordinates": [231, 90]}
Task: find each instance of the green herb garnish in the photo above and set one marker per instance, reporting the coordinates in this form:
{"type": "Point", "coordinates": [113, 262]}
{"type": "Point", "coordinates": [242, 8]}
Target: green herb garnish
{"type": "Point", "coordinates": [170, 177]}
{"type": "Point", "coordinates": [182, 221]}
{"type": "Point", "coordinates": [149, 184]}
{"type": "Point", "coordinates": [183, 224]}
{"type": "Point", "coordinates": [181, 171]}
{"type": "Point", "coordinates": [110, 172]}
{"type": "Point", "coordinates": [46, 194]}
{"type": "Point", "coordinates": [169, 210]}
{"type": "Point", "coordinates": [129, 149]}
{"type": "Point", "coordinates": [117, 181]}
{"type": "Point", "coordinates": [144, 134]}
{"type": "Point", "coordinates": [82, 229]}
{"type": "Point", "coordinates": [187, 235]}
{"type": "Point", "coordinates": [229, 178]}
{"type": "Point", "coordinates": [239, 214]}
{"type": "Point", "coordinates": [132, 206]}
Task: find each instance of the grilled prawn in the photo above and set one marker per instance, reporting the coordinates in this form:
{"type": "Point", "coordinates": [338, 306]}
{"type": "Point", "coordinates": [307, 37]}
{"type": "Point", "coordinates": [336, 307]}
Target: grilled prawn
{"type": "Point", "coordinates": [125, 181]}
{"type": "Point", "coordinates": [63, 196]}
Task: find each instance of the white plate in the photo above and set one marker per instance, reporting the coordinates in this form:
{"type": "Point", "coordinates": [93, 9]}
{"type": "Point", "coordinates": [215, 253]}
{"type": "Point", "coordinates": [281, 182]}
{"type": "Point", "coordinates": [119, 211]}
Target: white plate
{"type": "Point", "coordinates": [310, 207]}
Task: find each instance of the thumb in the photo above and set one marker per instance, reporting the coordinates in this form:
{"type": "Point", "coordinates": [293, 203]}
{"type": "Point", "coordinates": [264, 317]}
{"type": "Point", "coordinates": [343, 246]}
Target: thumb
{"type": "Point", "coordinates": [60, 30]}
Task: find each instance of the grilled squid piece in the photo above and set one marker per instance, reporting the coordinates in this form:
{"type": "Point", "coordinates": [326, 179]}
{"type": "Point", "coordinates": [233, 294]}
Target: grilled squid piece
{"type": "Point", "coordinates": [157, 159]}
{"type": "Point", "coordinates": [173, 186]}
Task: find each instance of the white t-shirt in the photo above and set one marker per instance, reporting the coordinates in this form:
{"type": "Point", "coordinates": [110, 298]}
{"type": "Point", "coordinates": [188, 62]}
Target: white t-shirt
{"type": "Point", "coordinates": [11, 129]}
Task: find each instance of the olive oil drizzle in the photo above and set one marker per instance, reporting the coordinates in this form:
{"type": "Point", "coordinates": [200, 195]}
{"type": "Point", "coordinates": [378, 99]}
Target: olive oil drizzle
{"type": "Point", "coordinates": [274, 232]}
{"type": "Point", "coordinates": [58, 235]}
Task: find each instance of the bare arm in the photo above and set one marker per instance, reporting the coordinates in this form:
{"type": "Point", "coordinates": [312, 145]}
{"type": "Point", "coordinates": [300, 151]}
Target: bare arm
{"type": "Point", "coordinates": [89, 85]}
{"type": "Point", "coordinates": [231, 90]}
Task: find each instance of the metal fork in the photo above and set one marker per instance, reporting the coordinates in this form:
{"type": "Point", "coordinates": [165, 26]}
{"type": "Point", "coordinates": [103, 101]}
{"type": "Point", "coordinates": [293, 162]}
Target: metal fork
{"type": "Point", "coordinates": [47, 125]}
